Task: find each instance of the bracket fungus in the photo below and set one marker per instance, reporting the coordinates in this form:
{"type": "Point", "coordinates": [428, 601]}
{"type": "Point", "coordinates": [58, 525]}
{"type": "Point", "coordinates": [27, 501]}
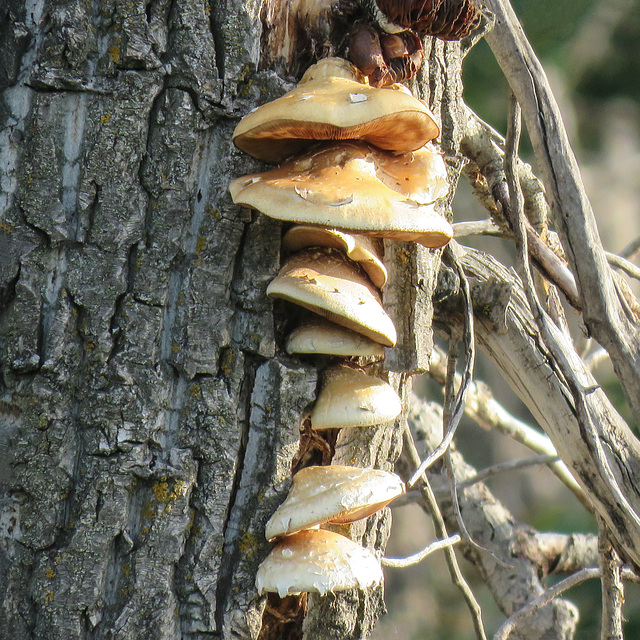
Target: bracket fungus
{"type": "Point", "coordinates": [331, 102]}
{"type": "Point", "coordinates": [328, 283]}
{"type": "Point", "coordinates": [360, 249]}
{"type": "Point", "coordinates": [355, 187]}
{"type": "Point", "coordinates": [319, 336]}
{"type": "Point", "coordinates": [319, 561]}
{"type": "Point", "coordinates": [333, 494]}
{"type": "Point", "coordinates": [351, 398]}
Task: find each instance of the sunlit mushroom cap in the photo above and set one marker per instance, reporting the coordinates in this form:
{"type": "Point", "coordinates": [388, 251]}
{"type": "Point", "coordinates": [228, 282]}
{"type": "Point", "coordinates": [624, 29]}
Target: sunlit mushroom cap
{"type": "Point", "coordinates": [359, 248]}
{"type": "Point", "coordinates": [332, 103]}
{"type": "Point", "coordinates": [328, 283]}
{"type": "Point", "coordinates": [351, 398]}
{"type": "Point", "coordinates": [333, 494]}
{"type": "Point", "coordinates": [319, 336]}
{"type": "Point", "coordinates": [354, 187]}
{"type": "Point", "coordinates": [318, 561]}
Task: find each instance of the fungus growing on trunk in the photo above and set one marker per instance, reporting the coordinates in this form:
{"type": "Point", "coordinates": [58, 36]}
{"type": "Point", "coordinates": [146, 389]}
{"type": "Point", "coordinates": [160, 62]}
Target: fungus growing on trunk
{"type": "Point", "coordinates": [334, 494]}
{"type": "Point", "coordinates": [319, 561]}
{"type": "Point", "coordinates": [318, 336]}
{"type": "Point", "coordinates": [332, 102]}
{"type": "Point", "coordinates": [351, 398]}
{"type": "Point", "coordinates": [354, 187]}
{"type": "Point", "coordinates": [360, 249]}
{"type": "Point", "coordinates": [329, 284]}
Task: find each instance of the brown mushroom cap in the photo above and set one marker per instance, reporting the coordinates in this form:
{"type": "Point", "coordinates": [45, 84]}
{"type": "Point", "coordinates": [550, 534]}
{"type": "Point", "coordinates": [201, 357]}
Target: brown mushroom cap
{"type": "Point", "coordinates": [351, 398]}
{"type": "Point", "coordinates": [319, 336]}
{"type": "Point", "coordinates": [331, 103]}
{"type": "Point", "coordinates": [359, 248]}
{"type": "Point", "coordinates": [328, 283]}
{"type": "Point", "coordinates": [334, 494]}
{"type": "Point", "coordinates": [354, 187]}
{"type": "Point", "coordinates": [318, 561]}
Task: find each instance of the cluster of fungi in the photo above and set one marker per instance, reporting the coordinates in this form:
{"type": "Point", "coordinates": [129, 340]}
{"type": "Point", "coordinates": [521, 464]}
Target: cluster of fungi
{"type": "Point", "coordinates": [354, 168]}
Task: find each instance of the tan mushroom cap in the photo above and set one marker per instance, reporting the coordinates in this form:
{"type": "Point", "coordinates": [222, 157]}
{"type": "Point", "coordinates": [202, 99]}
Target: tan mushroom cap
{"type": "Point", "coordinates": [354, 187]}
{"type": "Point", "coordinates": [318, 561]}
{"type": "Point", "coordinates": [319, 336]}
{"type": "Point", "coordinates": [328, 283]}
{"type": "Point", "coordinates": [334, 494]}
{"type": "Point", "coordinates": [331, 103]}
{"type": "Point", "coordinates": [359, 248]}
{"type": "Point", "coordinates": [351, 398]}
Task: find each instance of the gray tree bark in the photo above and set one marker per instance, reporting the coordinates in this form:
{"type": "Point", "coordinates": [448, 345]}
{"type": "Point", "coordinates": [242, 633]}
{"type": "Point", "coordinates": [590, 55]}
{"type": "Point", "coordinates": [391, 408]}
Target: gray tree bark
{"type": "Point", "coordinates": [148, 415]}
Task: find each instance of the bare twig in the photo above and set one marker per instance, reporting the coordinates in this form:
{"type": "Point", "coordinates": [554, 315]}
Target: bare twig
{"type": "Point", "coordinates": [441, 531]}
{"type": "Point", "coordinates": [442, 489]}
{"type": "Point", "coordinates": [604, 313]}
{"type": "Point", "coordinates": [456, 411]}
{"type": "Point", "coordinates": [485, 147]}
{"type": "Point", "coordinates": [482, 407]}
{"type": "Point", "coordinates": [495, 528]}
{"type": "Point", "coordinates": [624, 265]}
{"type": "Point", "coordinates": [505, 630]}
{"type": "Point", "coordinates": [612, 587]}
{"type": "Point", "coordinates": [478, 228]}
{"type": "Point", "coordinates": [415, 558]}
{"type": "Point", "coordinates": [631, 250]}
{"type": "Point", "coordinates": [574, 373]}
{"type": "Point", "coordinates": [511, 465]}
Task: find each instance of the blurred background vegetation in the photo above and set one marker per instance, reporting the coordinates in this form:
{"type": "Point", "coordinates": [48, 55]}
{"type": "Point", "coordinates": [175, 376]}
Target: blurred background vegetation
{"type": "Point", "coordinates": [591, 52]}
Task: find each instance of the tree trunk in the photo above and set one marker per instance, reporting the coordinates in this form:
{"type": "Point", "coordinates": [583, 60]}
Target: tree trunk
{"type": "Point", "coordinates": [148, 413]}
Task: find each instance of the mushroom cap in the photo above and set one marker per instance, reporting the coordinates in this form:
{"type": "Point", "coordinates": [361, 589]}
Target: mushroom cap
{"type": "Point", "coordinates": [354, 187]}
{"type": "Point", "coordinates": [334, 494]}
{"type": "Point", "coordinates": [319, 561]}
{"type": "Point", "coordinates": [351, 398]}
{"type": "Point", "coordinates": [332, 103]}
{"type": "Point", "coordinates": [319, 336]}
{"type": "Point", "coordinates": [328, 283]}
{"type": "Point", "coordinates": [361, 249]}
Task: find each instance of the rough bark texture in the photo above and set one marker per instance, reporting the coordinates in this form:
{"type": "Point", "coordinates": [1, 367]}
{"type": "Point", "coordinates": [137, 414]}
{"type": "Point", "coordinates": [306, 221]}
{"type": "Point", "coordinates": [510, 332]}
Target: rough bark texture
{"type": "Point", "coordinates": [148, 416]}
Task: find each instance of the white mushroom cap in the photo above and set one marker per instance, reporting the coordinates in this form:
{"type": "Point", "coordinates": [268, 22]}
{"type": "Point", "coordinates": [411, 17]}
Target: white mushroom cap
{"type": "Point", "coordinates": [319, 336]}
{"type": "Point", "coordinates": [361, 249]}
{"type": "Point", "coordinates": [351, 398]}
{"type": "Point", "coordinates": [334, 494]}
{"type": "Point", "coordinates": [318, 561]}
{"type": "Point", "coordinates": [331, 103]}
{"type": "Point", "coordinates": [354, 187]}
{"type": "Point", "coordinates": [329, 284]}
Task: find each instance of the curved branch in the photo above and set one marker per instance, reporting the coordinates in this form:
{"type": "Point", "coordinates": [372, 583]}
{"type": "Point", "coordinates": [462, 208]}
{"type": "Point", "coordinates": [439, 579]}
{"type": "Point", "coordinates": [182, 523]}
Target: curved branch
{"type": "Point", "coordinates": [607, 317]}
{"type": "Point", "coordinates": [528, 367]}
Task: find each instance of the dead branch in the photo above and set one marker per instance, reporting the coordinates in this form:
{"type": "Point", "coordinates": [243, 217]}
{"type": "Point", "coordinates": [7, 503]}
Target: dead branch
{"type": "Point", "coordinates": [512, 576]}
{"type": "Point", "coordinates": [483, 408]}
{"type": "Point", "coordinates": [516, 347]}
{"type": "Point", "coordinates": [607, 317]}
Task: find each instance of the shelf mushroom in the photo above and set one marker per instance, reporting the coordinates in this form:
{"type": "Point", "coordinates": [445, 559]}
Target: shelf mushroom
{"type": "Point", "coordinates": [319, 336]}
{"type": "Point", "coordinates": [351, 398]}
{"type": "Point", "coordinates": [332, 494]}
{"type": "Point", "coordinates": [319, 561]}
{"type": "Point", "coordinates": [360, 249]}
{"type": "Point", "coordinates": [326, 282]}
{"type": "Point", "coordinates": [331, 102]}
{"type": "Point", "coordinates": [355, 187]}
